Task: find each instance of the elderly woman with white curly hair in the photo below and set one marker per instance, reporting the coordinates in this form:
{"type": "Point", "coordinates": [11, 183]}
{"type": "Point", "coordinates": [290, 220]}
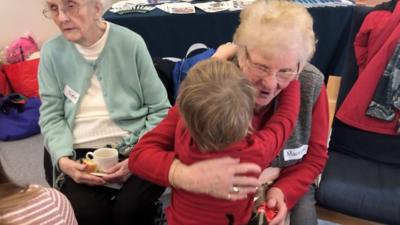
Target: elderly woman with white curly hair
{"type": "Point", "coordinates": [98, 88]}
{"type": "Point", "coordinates": [272, 46]}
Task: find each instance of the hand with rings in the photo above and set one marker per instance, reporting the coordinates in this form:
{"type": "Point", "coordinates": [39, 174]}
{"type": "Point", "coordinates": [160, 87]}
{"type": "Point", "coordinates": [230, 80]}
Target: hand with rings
{"type": "Point", "coordinates": [235, 190]}
{"type": "Point", "coordinates": [219, 178]}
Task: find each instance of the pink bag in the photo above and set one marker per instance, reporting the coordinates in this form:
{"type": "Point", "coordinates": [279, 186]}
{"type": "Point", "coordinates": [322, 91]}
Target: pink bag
{"type": "Point", "coordinates": [20, 49]}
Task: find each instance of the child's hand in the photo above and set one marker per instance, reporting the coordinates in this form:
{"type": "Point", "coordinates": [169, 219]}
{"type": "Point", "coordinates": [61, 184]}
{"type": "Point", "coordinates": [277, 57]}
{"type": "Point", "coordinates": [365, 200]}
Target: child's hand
{"type": "Point", "coordinates": [226, 51]}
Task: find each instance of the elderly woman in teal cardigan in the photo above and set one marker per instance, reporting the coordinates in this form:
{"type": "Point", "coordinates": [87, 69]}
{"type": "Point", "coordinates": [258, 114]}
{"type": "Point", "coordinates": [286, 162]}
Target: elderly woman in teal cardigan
{"type": "Point", "coordinates": [98, 88]}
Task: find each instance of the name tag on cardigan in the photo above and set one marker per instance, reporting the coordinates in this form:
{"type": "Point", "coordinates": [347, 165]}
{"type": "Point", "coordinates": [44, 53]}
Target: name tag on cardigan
{"type": "Point", "coordinates": [295, 153]}
{"type": "Point", "coordinates": [72, 95]}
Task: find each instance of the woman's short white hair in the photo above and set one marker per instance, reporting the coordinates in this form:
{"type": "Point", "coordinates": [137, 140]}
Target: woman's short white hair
{"type": "Point", "coordinates": [105, 4]}
{"type": "Point", "coordinates": [274, 26]}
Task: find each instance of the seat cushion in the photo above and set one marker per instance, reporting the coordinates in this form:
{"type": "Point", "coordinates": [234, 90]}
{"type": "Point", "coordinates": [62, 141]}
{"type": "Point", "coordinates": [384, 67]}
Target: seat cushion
{"type": "Point", "coordinates": [361, 188]}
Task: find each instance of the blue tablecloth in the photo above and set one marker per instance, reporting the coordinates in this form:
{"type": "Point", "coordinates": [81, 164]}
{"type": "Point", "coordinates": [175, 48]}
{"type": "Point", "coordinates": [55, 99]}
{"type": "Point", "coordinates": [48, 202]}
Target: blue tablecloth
{"type": "Point", "coordinates": [171, 35]}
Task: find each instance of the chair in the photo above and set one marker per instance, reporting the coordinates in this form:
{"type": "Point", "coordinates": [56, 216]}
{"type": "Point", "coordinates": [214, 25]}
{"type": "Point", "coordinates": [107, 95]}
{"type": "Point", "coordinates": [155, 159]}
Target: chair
{"type": "Point", "coordinates": [361, 178]}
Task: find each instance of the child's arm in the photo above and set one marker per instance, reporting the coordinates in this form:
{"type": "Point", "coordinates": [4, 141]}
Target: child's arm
{"type": "Point", "coordinates": [153, 155]}
{"type": "Point", "coordinates": [279, 127]}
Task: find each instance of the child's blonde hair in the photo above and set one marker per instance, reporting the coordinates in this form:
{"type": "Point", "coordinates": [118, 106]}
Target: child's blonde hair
{"type": "Point", "coordinates": [217, 104]}
{"type": "Point", "coordinates": [13, 195]}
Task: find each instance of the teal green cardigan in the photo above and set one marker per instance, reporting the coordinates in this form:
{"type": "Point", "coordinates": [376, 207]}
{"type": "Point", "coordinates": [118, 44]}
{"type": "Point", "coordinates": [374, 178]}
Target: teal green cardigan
{"type": "Point", "coordinates": [135, 97]}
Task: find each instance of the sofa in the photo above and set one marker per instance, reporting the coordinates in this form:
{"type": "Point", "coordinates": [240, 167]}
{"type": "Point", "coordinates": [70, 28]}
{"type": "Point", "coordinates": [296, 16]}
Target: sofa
{"type": "Point", "coordinates": [362, 175]}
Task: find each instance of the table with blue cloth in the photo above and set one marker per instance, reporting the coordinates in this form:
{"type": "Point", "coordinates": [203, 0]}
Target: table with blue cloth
{"type": "Point", "coordinates": [170, 35]}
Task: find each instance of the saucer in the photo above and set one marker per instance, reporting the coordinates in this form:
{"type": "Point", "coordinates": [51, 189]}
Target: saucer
{"type": "Point", "coordinates": [98, 174]}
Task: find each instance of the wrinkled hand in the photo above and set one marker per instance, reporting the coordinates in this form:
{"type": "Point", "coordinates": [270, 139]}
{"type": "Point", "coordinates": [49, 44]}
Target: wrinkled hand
{"type": "Point", "coordinates": [216, 177]}
{"type": "Point", "coordinates": [119, 173]}
{"type": "Point", "coordinates": [269, 174]}
{"type": "Point", "coordinates": [276, 199]}
{"type": "Point", "coordinates": [76, 171]}
{"type": "Point", "coordinates": [226, 51]}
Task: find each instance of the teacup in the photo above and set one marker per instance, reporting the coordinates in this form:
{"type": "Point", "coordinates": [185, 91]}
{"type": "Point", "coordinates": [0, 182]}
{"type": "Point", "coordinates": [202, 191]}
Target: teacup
{"type": "Point", "coordinates": [104, 158]}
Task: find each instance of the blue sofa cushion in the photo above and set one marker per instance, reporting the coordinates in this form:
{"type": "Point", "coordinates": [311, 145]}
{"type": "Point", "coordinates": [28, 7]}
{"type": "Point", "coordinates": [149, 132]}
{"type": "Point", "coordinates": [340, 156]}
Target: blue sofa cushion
{"type": "Point", "coordinates": [360, 187]}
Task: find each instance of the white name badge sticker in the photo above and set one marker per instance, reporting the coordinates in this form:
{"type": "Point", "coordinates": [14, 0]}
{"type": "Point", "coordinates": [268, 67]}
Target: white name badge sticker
{"type": "Point", "coordinates": [72, 95]}
{"type": "Point", "coordinates": [295, 153]}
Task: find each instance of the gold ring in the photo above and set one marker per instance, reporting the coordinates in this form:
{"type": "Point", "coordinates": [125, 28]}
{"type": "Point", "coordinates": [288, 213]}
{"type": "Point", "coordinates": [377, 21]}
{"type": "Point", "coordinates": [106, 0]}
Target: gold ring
{"type": "Point", "coordinates": [235, 189]}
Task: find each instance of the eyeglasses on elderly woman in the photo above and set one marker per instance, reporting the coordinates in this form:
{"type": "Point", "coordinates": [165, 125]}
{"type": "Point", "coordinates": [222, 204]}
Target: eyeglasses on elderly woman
{"type": "Point", "coordinates": [262, 71]}
{"type": "Point", "coordinates": [69, 8]}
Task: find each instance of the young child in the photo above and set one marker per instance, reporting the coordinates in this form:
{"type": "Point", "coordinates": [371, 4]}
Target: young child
{"type": "Point", "coordinates": [32, 204]}
{"type": "Point", "coordinates": [216, 105]}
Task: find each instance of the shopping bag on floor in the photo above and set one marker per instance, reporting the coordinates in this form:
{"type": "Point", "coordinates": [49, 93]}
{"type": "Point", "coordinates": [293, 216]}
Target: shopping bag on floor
{"type": "Point", "coordinates": [23, 77]}
{"type": "Point", "coordinates": [5, 87]}
{"type": "Point", "coordinates": [19, 117]}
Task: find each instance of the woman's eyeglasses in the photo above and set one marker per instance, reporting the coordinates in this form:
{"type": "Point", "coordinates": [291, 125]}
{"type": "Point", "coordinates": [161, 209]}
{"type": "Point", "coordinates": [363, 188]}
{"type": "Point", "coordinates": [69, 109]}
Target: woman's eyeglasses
{"type": "Point", "coordinates": [262, 71]}
{"type": "Point", "coordinates": [69, 9]}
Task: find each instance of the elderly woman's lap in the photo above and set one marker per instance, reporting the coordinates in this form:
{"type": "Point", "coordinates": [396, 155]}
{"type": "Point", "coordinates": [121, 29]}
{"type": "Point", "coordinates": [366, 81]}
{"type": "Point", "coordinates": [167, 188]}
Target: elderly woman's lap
{"type": "Point", "coordinates": [304, 212]}
{"type": "Point", "coordinates": [132, 204]}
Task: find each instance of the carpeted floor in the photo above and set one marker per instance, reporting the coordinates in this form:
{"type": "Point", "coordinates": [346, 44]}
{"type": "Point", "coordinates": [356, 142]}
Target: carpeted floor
{"type": "Point", "coordinates": [23, 160]}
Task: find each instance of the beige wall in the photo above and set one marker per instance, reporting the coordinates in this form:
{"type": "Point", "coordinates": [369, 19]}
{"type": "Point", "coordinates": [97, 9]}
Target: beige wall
{"type": "Point", "coordinates": [21, 16]}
